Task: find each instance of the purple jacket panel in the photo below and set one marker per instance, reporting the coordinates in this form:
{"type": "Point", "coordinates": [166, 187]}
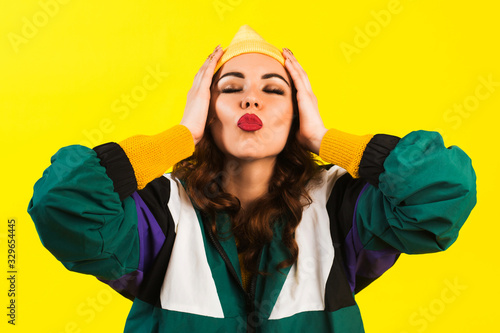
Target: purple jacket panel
{"type": "Point", "coordinates": [361, 262]}
{"type": "Point", "coordinates": [151, 239]}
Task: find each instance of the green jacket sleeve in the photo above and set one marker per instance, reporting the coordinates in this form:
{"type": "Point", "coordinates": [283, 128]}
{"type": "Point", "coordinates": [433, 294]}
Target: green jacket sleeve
{"type": "Point", "coordinates": [422, 197]}
{"type": "Point", "coordinates": [80, 217]}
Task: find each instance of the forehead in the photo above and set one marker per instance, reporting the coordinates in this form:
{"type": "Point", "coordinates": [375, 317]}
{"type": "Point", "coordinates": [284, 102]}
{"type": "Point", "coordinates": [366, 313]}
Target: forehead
{"type": "Point", "coordinates": [253, 63]}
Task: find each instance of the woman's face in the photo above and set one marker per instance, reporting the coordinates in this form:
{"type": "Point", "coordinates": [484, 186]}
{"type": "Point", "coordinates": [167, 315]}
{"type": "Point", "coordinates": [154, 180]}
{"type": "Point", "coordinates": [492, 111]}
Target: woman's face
{"type": "Point", "coordinates": [251, 102]}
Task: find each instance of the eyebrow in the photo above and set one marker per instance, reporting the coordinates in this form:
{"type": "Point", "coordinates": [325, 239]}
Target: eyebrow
{"type": "Point", "coordinates": [265, 76]}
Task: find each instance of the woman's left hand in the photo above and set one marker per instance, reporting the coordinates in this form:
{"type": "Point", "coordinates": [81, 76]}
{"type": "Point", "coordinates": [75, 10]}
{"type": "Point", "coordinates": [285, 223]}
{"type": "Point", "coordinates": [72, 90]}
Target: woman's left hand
{"type": "Point", "coordinates": [311, 129]}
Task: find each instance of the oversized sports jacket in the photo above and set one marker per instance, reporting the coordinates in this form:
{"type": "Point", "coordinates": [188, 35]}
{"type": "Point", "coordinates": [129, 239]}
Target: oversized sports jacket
{"type": "Point", "coordinates": [112, 213]}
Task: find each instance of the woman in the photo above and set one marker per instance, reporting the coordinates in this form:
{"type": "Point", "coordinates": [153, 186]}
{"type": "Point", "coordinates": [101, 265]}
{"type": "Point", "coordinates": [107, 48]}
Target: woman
{"type": "Point", "coordinates": [249, 233]}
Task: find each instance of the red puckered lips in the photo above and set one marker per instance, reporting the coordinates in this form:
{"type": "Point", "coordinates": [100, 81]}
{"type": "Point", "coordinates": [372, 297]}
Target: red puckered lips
{"type": "Point", "coordinates": [250, 122]}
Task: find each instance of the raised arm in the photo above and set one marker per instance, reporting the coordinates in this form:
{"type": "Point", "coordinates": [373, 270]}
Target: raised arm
{"type": "Point", "coordinates": [401, 195]}
{"type": "Point", "coordinates": [103, 211]}
{"type": "Point", "coordinates": [86, 208]}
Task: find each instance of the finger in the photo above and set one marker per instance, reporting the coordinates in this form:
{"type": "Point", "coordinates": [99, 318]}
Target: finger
{"type": "Point", "coordinates": [301, 75]}
{"type": "Point", "coordinates": [297, 79]}
{"type": "Point", "coordinates": [206, 63]}
{"type": "Point", "coordinates": [300, 71]}
{"type": "Point", "coordinates": [213, 57]}
{"type": "Point", "coordinates": [206, 71]}
{"type": "Point", "coordinates": [294, 60]}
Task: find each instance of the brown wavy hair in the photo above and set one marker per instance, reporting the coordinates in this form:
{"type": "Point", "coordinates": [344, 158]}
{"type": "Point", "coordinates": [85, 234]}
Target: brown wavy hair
{"type": "Point", "coordinates": [203, 174]}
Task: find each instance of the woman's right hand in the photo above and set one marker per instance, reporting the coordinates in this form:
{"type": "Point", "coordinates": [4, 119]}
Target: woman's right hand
{"type": "Point", "coordinates": [198, 97]}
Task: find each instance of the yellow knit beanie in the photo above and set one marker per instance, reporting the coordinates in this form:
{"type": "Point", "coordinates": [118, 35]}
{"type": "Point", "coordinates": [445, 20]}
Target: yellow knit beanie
{"type": "Point", "coordinates": [247, 40]}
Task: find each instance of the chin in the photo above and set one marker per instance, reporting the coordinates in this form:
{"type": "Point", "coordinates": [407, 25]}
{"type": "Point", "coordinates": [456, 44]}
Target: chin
{"type": "Point", "coordinates": [246, 155]}
{"type": "Point", "coordinates": [253, 154]}
{"type": "Point", "coordinates": [249, 149]}
{"type": "Point", "coordinates": [249, 158]}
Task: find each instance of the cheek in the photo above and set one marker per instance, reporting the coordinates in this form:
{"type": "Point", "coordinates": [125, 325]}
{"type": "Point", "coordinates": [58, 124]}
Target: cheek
{"type": "Point", "coordinates": [282, 118]}
{"type": "Point", "coordinates": [224, 118]}
{"type": "Point", "coordinates": [278, 128]}
{"type": "Point", "coordinates": [220, 127]}
{"type": "Point", "coordinates": [215, 129]}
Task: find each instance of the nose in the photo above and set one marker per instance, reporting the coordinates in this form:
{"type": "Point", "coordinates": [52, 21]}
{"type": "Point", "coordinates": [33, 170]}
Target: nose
{"type": "Point", "coordinates": [251, 102]}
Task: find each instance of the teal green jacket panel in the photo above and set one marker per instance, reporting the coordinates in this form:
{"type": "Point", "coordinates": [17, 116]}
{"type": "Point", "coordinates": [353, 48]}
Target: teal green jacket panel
{"type": "Point", "coordinates": [230, 292]}
{"type": "Point", "coordinates": [144, 318]}
{"type": "Point", "coordinates": [425, 195]}
{"type": "Point", "coordinates": [80, 218]}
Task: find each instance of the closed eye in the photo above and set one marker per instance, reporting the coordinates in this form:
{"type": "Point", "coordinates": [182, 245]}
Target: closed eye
{"type": "Point", "coordinates": [272, 91]}
{"type": "Point", "coordinates": [229, 90]}
{"type": "Point", "coordinates": [275, 91]}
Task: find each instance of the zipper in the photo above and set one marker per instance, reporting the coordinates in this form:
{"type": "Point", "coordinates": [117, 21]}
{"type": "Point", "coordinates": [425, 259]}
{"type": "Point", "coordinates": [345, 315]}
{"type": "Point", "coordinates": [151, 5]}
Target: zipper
{"type": "Point", "coordinates": [222, 253]}
{"type": "Point", "coordinates": [250, 296]}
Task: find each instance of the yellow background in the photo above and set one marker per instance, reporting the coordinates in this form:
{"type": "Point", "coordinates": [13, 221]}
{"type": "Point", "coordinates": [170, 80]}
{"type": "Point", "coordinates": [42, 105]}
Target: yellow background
{"type": "Point", "coordinates": [61, 83]}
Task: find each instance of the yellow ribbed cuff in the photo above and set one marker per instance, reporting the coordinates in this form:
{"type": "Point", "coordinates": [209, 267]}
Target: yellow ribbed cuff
{"type": "Point", "coordinates": [152, 155]}
{"type": "Point", "coordinates": [344, 149]}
